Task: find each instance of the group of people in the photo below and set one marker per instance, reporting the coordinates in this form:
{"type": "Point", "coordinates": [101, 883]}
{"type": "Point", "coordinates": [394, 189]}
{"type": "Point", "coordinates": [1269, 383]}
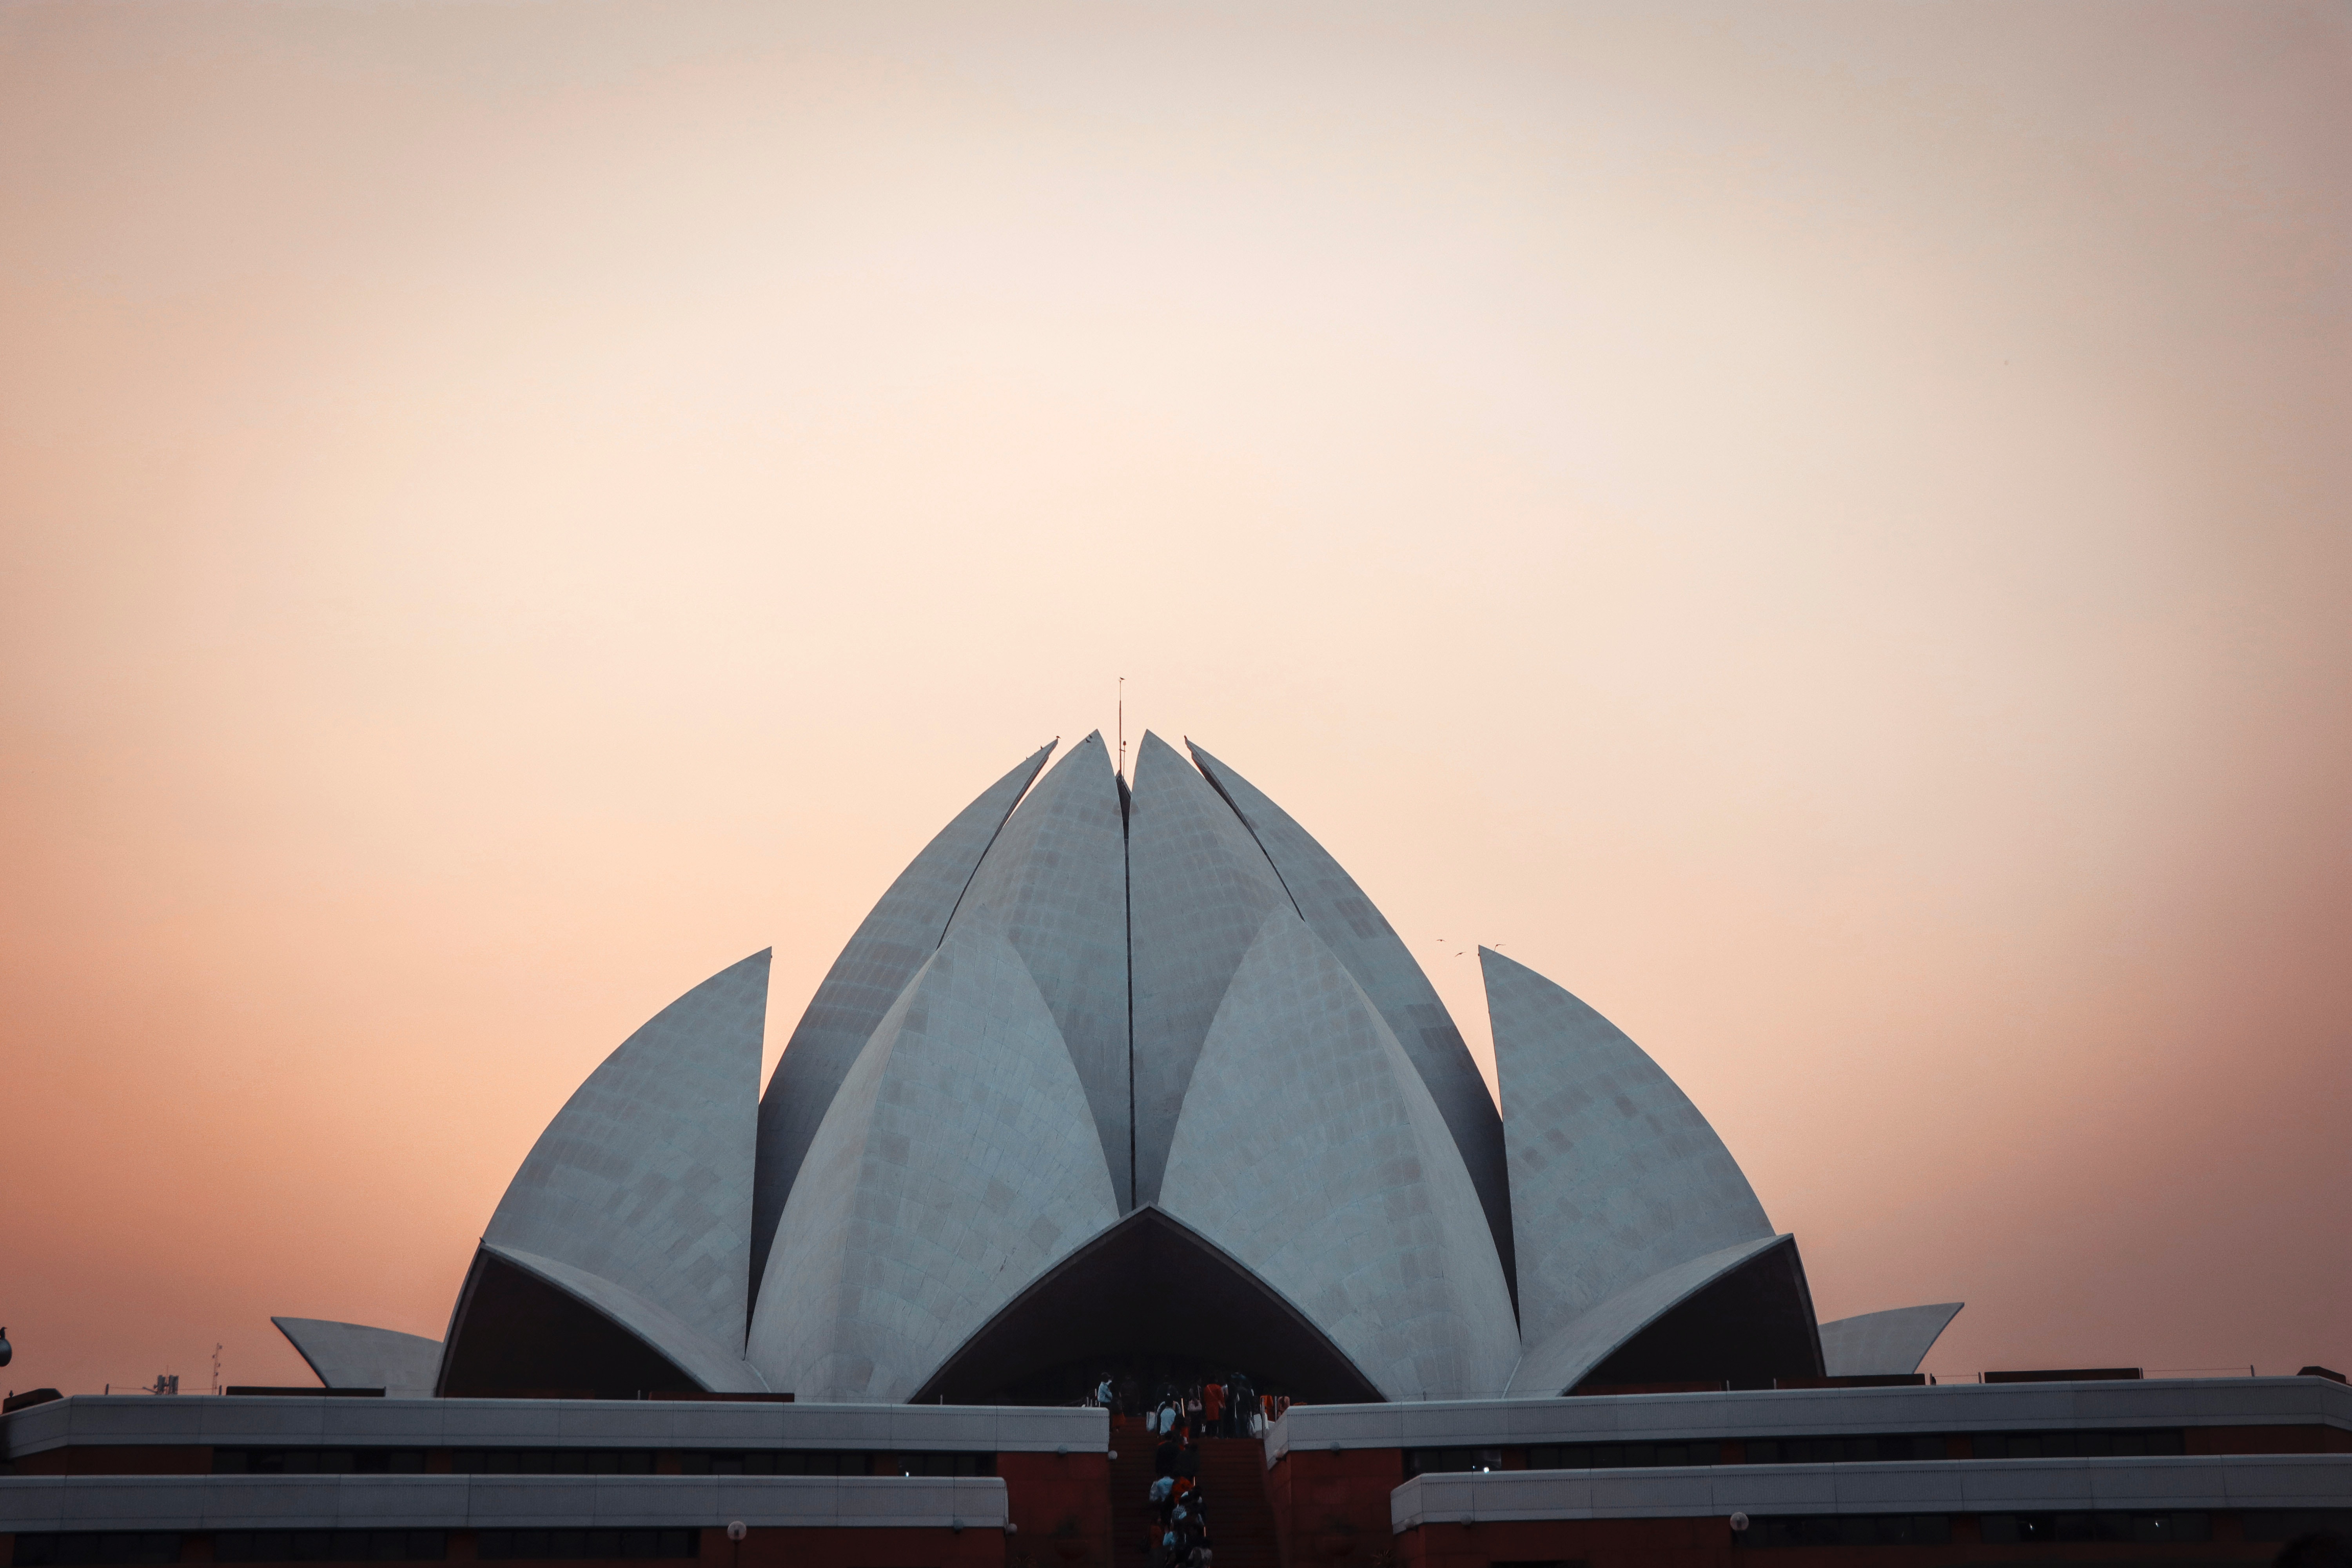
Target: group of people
{"type": "Point", "coordinates": [1179, 1508]}
{"type": "Point", "coordinates": [1177, 1421]}
{"type": "Point", "coordinates": [1206, 1409]}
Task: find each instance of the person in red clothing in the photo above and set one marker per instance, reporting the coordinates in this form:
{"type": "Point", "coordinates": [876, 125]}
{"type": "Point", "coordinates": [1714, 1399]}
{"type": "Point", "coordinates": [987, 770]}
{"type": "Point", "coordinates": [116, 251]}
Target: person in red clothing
{"type": "Point", "coordinates": [1212, 1409]}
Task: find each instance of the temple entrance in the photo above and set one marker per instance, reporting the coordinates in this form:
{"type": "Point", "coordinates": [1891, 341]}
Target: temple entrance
{"type": "Point", "coordinates": [1753, 1325]}
{"type": "Point", "coordinates": [518, 1337]}
{"type": "Point", "coordinates": [1153, 1304]}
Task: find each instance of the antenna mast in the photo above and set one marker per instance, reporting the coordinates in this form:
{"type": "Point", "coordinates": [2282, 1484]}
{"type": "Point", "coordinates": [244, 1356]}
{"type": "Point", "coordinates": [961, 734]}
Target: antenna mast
{"type": "Point", "coordinates": [1122, 726]}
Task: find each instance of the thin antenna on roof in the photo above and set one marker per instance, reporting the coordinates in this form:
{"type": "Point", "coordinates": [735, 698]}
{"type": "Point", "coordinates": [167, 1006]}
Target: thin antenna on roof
{"type": "Point", "coordinates": [1122, 726]}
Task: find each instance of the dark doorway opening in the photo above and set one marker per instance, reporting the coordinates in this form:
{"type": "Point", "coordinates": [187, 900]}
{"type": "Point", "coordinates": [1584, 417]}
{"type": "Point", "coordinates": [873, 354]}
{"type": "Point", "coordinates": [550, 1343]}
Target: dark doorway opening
{"type": "Point", "coordinates": [1746, 1328]}
{"type": "Point", "coordinates": [1148, 1300]}
{"type": "Point", "coordinates": [518, 1337]}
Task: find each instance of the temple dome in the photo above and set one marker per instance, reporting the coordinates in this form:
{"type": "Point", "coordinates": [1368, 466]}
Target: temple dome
{"type": "Point", "coordinates": [1140, 1075]}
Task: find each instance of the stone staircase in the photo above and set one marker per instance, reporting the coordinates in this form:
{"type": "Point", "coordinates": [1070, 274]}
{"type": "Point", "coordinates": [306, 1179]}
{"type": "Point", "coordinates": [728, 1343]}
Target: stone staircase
{"type": "Point", "coordinates": [1130, 1514]}
{"type": "Point", "coordinates": [1232, 1475]}
{"type": "Point", "coordinates": [1232, 1470]}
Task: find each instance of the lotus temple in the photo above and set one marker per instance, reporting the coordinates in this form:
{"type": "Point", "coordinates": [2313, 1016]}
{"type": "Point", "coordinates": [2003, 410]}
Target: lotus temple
{"type": "Point", "coordinates": [1131, 1087]}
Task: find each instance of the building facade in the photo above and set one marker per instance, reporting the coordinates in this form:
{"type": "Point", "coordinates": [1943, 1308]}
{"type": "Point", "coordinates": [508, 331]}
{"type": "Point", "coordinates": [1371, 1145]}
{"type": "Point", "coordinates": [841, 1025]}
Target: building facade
{"type": "Point", "coordinates": [1132, 1083]}
{"type": "Point", "coordinates": [1126, 1077]}
{"type": "Point", "coordinates": [2064, 1471]}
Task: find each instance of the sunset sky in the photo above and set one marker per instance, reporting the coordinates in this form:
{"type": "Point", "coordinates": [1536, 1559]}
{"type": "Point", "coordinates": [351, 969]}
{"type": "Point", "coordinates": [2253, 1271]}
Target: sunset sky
{"type": "Point", "coordinates": [1821, 528]}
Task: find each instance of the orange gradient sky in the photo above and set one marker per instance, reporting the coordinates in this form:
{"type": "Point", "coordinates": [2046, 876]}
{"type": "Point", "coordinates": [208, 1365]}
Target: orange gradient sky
{"type": "Point", "coordinates": [1821, 528]}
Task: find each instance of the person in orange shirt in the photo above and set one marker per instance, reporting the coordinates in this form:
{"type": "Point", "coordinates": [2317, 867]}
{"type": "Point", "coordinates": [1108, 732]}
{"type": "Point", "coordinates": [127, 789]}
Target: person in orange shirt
{"type": "Point", "coordinates": [1212, 1409]}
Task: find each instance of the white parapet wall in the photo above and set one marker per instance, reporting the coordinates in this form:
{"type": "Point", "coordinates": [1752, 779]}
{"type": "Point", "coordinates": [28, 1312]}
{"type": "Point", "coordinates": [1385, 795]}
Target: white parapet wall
{"type": "Point", "coordinates": [320, 1422]}
{"type": "Point", "coordinates": [1959, 1486]}
{"type": "Point", "coordinates": [1801, 1412]}
{"type": "Point", "coordinates": [47, 1503]}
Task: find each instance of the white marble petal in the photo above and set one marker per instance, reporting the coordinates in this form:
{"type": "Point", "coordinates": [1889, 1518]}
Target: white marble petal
{"type": "Point", "coordinates": [1199, 888]}
{"type": "Point", "coordinates": [718, 1368]}
{"type": "Point", "coordinates": [1311, 1150]}
{"type": "Point", "coordinates": [353, 1355]}
{"type": "Point", "coordinates": [1055, 882]}
{"type": "Point", "coordinates": [1558, 1362]}
{"type": "Point", "coordinates": [1339, 913]}
{"type": "Point", "coordinates": [902, 930]}
{"type": "Point", "coordinates": [1615, 1177]}
{"type": "Point", "coordinates": [643, 1178]}
{"type": "Point", "coordinates": [960, 1160]}
{"type": "Point", "coordinates": [1888, 1344]}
